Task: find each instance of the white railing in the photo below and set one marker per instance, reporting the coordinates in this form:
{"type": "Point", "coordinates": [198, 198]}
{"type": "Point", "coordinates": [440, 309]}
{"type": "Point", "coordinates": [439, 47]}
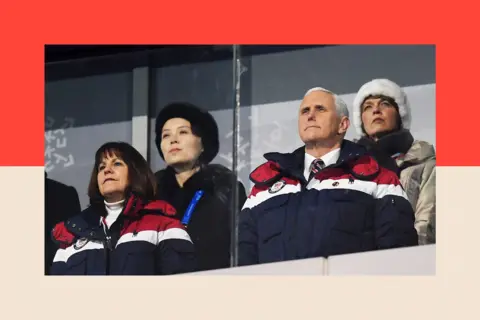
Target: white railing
{"type": "Point", "coordinates": [418, 260]}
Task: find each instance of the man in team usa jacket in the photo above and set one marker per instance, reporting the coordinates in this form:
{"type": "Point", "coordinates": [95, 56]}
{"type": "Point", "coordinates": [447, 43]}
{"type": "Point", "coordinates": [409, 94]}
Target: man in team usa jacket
{"type": "Point", "coordinates": [326, 198]}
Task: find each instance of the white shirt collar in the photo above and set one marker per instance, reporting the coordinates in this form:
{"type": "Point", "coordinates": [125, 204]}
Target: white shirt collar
{"type": "Point", "coordinates": [114, 205]}
{"type": "Point", "coordinates": [329, 159]}
{"type": "Point", "coordinates": [113, 211]}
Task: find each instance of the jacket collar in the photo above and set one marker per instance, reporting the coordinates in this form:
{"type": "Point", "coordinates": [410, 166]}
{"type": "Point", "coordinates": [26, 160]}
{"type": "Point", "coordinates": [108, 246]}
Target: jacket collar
{"type": "Point", "coordinates": [202, 179]}
{"type": "Point", "coordinates": [88, 222]}
{"type": "Point", "coordinates": [293, 163]}
{"type": "Point", "coordinates": [397, 142]}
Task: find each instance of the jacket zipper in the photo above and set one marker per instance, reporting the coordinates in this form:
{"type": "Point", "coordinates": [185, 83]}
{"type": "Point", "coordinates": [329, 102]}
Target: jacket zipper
{"type": "Point", "coordinates": [107, 245]}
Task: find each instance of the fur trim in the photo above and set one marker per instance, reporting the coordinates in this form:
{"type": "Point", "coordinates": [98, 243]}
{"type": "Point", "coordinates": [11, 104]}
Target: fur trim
{"type": "Point", "coordinates": [381, 87]}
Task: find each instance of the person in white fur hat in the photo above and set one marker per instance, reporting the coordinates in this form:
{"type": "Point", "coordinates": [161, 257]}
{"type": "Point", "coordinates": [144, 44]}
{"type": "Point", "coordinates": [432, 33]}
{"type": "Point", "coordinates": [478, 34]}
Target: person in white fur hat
{"type": "Point", "coordinates": [381, 116]}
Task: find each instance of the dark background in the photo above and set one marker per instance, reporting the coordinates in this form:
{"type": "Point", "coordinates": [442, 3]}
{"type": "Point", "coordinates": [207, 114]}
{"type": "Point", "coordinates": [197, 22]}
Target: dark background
{"type": "Point", "coordinates": [57, 53]}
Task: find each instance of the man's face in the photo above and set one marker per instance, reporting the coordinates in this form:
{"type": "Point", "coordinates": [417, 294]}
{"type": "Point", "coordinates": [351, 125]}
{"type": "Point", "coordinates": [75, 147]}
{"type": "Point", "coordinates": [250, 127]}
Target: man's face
{"type": "Point", "coordinates": [318, 120]}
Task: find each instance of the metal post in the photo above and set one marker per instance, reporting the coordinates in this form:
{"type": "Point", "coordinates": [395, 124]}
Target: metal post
{"type": "Point", "coordinates": [236, 139]}
{"type": "Point", "coordinates": [140, 120]}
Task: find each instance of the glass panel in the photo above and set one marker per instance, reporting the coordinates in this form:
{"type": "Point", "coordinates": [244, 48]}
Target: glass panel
{"type": "Point", "coordinates": [275, 79]}
{"type": "Point", "coordinates": [85, 106]}
{"type": "Point", "coordinates": [205, 79]}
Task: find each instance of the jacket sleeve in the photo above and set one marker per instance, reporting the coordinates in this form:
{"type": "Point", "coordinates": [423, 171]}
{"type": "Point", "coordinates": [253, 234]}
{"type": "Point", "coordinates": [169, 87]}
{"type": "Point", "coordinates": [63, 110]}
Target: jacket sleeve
{"type": "Point", "coordinates": [175, 251]}
{"type": "Point", "coordinates": [61, 203]}
{"type": "Point", "coordinates": [425, 210]}
{"type": "Point", "coordinates": [59, 263]}
{"type": "Point", "coordinates": [62, 239]}
{"type": "Point", "coordinates": [394, 216]}
{"type": "Point", "coordinates": [431, 231]}
{"type": "Point", "coordinates": [247, 233]}
{"type": "Point", "coordinates": [247, 239]}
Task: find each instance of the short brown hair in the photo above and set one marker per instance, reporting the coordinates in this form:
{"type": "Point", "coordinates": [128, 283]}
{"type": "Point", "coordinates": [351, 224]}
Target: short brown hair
{"type": "Point", "coordinates": [141, 179]}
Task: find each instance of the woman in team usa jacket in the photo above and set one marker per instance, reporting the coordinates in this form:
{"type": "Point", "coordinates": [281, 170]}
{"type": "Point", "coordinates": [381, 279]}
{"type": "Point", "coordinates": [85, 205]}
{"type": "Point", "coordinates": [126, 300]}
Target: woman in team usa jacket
{"type": "Point", "coordinates": [122, 232]}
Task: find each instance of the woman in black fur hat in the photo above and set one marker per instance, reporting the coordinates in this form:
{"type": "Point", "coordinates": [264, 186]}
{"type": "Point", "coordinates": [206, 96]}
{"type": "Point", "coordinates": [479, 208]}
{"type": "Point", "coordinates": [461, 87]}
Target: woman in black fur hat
{"type": "Point", "coordinates": [202, 193]}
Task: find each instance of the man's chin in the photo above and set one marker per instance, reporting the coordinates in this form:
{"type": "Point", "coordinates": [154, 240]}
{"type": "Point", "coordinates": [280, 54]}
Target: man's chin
{"type": "Point", "coordinates": [313, 139]}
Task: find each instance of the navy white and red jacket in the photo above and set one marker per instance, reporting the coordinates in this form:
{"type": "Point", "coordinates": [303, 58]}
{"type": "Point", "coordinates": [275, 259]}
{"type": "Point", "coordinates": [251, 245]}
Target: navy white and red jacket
{"type": "Point", "coordinates": [351, 206]}
{"type": "Point", "coordinates": [144, 240]}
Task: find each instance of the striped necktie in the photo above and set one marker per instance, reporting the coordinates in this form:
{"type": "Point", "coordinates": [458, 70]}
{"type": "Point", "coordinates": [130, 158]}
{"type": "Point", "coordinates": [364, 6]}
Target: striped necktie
{"type": "Point", "coordinates": [317, 165]}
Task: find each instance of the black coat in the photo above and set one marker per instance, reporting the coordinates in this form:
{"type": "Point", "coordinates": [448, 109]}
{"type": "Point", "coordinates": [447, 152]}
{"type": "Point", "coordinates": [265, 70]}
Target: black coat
{"type": "Point", "coordinates": [61, 203]}
{"type": "Point", "coordinates": [209, 226]}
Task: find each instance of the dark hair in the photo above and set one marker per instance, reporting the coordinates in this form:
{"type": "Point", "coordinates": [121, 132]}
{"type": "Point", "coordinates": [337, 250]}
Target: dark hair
{"type": "Point", "coordinates": [141, 179]}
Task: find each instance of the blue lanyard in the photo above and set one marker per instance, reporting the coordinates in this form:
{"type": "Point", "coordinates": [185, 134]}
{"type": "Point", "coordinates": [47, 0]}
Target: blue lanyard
{"type": "Point", "coordinates": [191, 207]}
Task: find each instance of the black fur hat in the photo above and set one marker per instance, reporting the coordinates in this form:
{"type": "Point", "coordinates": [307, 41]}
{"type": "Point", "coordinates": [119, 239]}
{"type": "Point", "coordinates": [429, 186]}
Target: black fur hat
{"type": "Point", "coordinates": [202, 121]}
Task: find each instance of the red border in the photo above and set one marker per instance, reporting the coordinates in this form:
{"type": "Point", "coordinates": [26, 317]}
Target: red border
{"type": "Point", "coordinates": [26, 27]}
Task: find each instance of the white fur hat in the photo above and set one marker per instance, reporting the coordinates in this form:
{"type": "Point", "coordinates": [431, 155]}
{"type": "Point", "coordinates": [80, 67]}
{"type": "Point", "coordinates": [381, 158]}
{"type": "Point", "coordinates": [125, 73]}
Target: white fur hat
{"type": "Point", "coordinates": [381, 87]}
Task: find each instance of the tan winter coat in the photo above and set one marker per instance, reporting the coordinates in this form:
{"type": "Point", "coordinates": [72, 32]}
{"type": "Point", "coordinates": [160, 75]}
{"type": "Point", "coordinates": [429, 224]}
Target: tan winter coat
{"type": "Point", "coordinates": [418, 180]}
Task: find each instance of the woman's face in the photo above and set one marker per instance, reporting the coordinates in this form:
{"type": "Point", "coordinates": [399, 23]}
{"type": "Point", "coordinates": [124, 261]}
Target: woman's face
{"type": "Point", "coordinates": [378, 115]}
{"type": "Point", "coordinates": [112, 178]}
{"type": "Point", "coordinates": [180, 147]}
